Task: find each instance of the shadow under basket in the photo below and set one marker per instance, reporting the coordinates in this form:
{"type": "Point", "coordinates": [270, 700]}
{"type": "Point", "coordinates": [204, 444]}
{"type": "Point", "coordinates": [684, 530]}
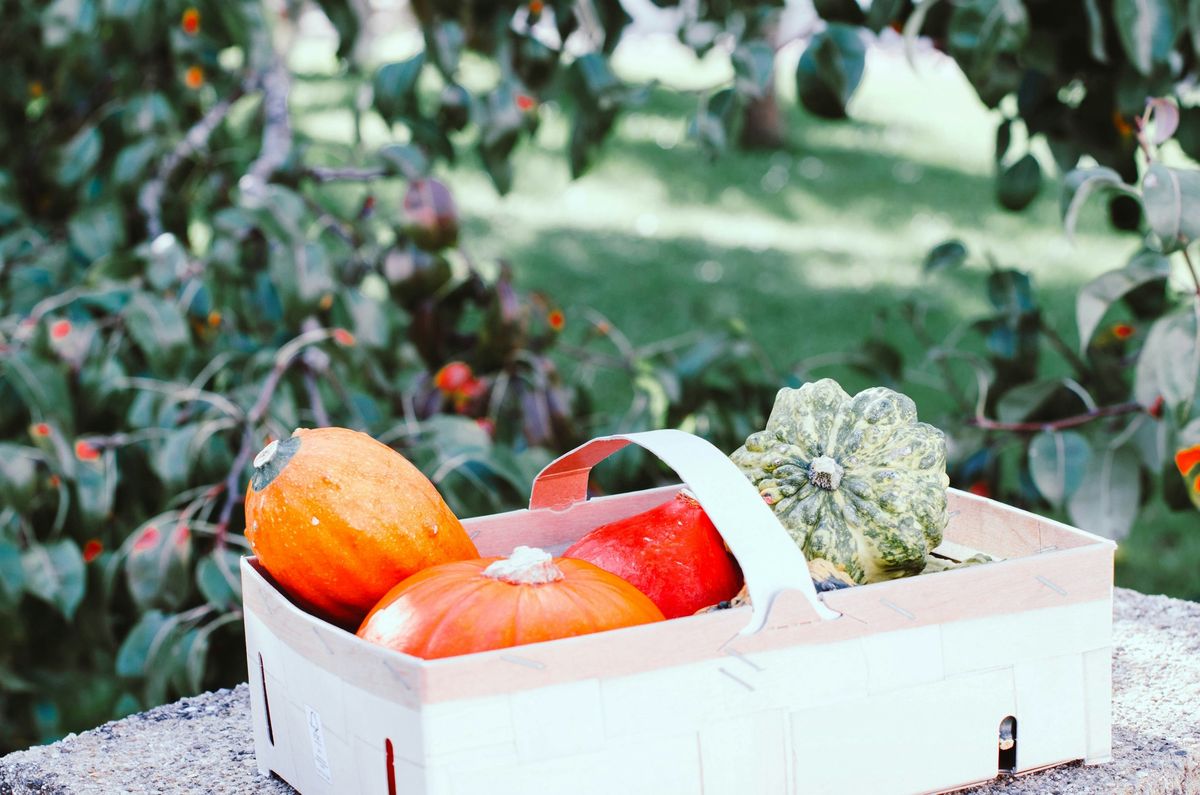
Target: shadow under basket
{"type": "Point", "coordinates": [908, 686]}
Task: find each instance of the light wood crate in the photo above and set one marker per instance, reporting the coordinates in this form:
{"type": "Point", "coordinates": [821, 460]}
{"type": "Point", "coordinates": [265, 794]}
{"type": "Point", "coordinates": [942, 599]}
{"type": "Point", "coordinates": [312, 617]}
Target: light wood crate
{"type": "Point", "coordinates": [897, 687]}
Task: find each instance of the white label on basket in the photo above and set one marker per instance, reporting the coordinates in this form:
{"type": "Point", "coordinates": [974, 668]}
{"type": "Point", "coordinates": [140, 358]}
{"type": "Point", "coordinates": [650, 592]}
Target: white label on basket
{"type": "Point", "coordinates": [317, 736]}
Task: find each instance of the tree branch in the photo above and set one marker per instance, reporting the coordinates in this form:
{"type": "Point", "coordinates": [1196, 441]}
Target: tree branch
{"type": "Point", "coordinates": [151, 195]}
{"type": "Point", "coordinates": [334, 174]}
{"type": "Point", "coordinates": [1057, 425]}
{"type": "Point", "coordinates": [277, 129]}
{"type": "Point", "coordinates": [1192, 268]}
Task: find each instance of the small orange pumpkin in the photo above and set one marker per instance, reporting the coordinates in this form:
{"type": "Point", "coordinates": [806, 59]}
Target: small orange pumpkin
{"type": "Point", "coordinates": [494, 603]}
{"type": "Point", "coordinates": [338, 519]}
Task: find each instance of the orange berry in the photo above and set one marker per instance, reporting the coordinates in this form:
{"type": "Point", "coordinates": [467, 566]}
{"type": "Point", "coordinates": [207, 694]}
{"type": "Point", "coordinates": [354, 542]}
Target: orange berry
{"type": "Point", "coordinates": [326, 302]}
{"type": "Point", "coordinates": [36, 89]}
{"type": "Point", "coordinates": [556, 319]}
{"type": "Point", "coordinates": [194, 77]}
{"type": "Point", "coordinates": [41, 430]}
{"type": "Point", "coordinates": [343, 337]}
{"type": "Point", "coordinates": [55, 481]}
{"type": "Point", "coordinates": [1122, 331]}
{"type": "Point", "coordinates": [214, 318]}
{"type": "Point", "coordinates": [1187, 458]}
{"type": "Point", "coordinates": [190, 22]}
{"type": "Point", "coordinates": [1124, 128]}
{"type": "Point", "coordinates": [536, 6]}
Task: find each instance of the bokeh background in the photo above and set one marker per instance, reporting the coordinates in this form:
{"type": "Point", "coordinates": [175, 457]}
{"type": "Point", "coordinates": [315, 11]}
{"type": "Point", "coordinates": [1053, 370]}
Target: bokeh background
{"type": "Point", "coordinates": [484, 232]}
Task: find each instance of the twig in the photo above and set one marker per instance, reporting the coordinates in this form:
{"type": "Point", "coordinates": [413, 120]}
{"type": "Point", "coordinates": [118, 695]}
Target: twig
{"type": "Point", "coordinates": [151, 195]}
{"type": "Point", "coordinates": [232, 487]}
{"type": "Point", "coordinates": [1079, 365]}
{"type": "Point", "coordinates": [336, 174]}
{"type": "Point", "coordinates": [1191, 267]}
{"type": "Point", "coordinates": [320, 415]}
{"type": "Point", "coordinates": [1056, 425]}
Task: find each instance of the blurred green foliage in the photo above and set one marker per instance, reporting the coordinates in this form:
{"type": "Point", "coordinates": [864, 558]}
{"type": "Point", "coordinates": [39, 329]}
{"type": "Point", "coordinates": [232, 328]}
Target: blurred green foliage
{"type": "Point", "coordinates": [180, 282]}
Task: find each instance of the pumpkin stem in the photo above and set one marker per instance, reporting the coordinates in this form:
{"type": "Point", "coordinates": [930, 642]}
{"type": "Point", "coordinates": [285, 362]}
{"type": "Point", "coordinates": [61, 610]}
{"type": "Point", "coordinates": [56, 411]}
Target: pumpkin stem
{"type": "Point", "coordinates": [825, 473]}
{"type": "Point", "coordinates": [525, 566]}
{"type": "Point", "coordinates": [271, 460]}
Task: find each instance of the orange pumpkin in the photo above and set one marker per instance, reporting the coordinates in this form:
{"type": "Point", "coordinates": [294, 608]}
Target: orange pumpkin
{"type": "Point", "coordinates": [494, 603]}
{"type": "Point", "coordinates": [338, 519]}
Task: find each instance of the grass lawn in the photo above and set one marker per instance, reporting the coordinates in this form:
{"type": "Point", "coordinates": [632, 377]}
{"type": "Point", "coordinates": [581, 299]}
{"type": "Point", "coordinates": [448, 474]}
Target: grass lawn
{"type": "Point", "coordinates": [808, 246]}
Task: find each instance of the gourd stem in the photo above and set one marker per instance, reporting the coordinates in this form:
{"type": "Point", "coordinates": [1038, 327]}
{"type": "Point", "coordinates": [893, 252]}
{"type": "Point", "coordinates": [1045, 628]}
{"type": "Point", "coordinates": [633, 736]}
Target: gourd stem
{"type": "Point", "coordinates": [825, 473]}
{"type": "Point", "coordinates": [525, 566]}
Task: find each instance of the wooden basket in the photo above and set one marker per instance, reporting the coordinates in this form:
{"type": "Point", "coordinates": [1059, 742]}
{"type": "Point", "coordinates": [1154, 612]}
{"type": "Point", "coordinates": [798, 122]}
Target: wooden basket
{"type": "Point", "coordinates": [901, 686]}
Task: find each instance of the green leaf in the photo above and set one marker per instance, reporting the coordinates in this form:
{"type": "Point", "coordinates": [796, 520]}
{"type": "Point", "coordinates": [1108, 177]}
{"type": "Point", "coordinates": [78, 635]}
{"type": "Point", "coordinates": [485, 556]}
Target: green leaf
{"type": "Point", "coordinates": [1147, 30]}
{"type": "Point", "coordinates": [1018, 185]}
{"type": "Point", "coordinates": [156, 326]}
{"type": "Point", "coordinates": [944, 256]}
{"type": "Point", "coordinates": [1082, 183]}
{"type": "Point", "coordinates": [404, 160]}
{"type": "Point", "coordinates": [1057, 464]}
{"type": "Point", "coordinates": [445, 42]}
{"type": "Point", "coordinates": [173, 457]}
{"type": "Point", "coordinates": [63, 19]}
{"type": "Point", "coordinates": [12, 574]}
{"type": "Point", "coordinates": [1171, 198]}
{"type": "Point", "coordinates": [1020, 402]}
{"type": "Point", "coordinates": [345, 21]}
{"type": "Point", "coordinates": [197, 653]}
{"type": "Point", "coordinates": [1107, 500]}
{"type": "Point", "coordinates": [1193, 23]}
{"type": "Point", "coordinates": [1102, 292]}
{"type": "Point", "coordinates": [396, 88]}
{"type": "Point", "coordinates": [218, 576]}
{"type": "Point", "coordinates": [1169, 364]}
{"type": "Point", "coordinates": [830, 70]}
{"type": "Point", "coordinates": [156, 566]}
{"type": "Point", "coordinates": [95, 489]}
{"type": "Point", "coordinates": [133, 160]}
{"type": "Point", "coordinates": [985, 36]}
{"type": "Point", "coordinates": [97, 231]}
{"type": "Point", "coordinates": [18, 476]}
{"type": "Point", "coordinates": [754, 66]}
{"type": "Point", "coordinates": [55, 573]}
{"type": "Point", "coordinates": [1095, 20]}
{"type": "Point", "coordinates": [79, 156]}
{"type": "Point", "coordinates": [1003, 139]}
{"type": "Point", "coordinates": [134, 652]}
{"type": "Point", "coordinates": [123, 9]}
{"type": "Point", "coordinates": [303, 277]}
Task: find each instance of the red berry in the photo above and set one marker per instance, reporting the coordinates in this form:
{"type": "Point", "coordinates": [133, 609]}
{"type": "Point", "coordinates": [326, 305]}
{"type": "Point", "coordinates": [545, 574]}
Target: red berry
{"type": "Point", "coordinates": [92, 550]}
{"type": "Point", "coordinates": [60, 329]}
{"type": "Point", "coordinates": [525, 103]}
{"type": "Point", "coordinates": [980, 488]}
{"type": "Point", "coordinates": [190, 22]}
{"type": "Point", "coordinates": [453, 377]}
{"type": "Point", "coordinates": [85, 451]}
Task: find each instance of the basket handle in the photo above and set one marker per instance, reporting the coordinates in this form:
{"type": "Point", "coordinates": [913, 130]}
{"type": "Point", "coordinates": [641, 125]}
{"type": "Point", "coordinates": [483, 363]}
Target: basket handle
{"type": "Point", "coordinates": [770, 561]}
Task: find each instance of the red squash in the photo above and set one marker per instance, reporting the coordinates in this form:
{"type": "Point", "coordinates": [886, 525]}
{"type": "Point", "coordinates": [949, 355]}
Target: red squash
{"type": "Point", "coordinates": [671, 553]}
{"type": "Point", "coordinates": [493, 603]}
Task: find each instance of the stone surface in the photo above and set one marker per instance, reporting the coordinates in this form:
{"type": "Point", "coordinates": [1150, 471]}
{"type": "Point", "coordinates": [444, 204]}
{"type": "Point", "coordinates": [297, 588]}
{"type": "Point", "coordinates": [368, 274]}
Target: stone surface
{"type": "Point", "coordinates": [203, 744]}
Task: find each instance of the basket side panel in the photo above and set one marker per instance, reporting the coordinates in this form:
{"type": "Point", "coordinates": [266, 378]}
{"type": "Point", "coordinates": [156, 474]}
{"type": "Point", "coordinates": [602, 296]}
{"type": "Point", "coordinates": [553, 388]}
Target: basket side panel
{"type": "Point", "coordinates": [1051, 711]}
{"type": "Point", "coordinates": [746, 754]}
{"type": "Point", "coordinates": [917, 739]}
{"type": "Point", "coordinates": [1008, 532]}
{"type": "Point", "coordinates": [1097, 667]}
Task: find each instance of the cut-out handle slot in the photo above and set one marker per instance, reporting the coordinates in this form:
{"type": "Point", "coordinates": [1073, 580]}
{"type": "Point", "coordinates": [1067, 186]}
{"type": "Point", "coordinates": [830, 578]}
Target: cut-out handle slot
{"type": "Point", "coordinates": [1007, 762]}
{"type": "Point", "coordinates": [262, 672]}
{"type": "Point", "coordinates": [391, 766]}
